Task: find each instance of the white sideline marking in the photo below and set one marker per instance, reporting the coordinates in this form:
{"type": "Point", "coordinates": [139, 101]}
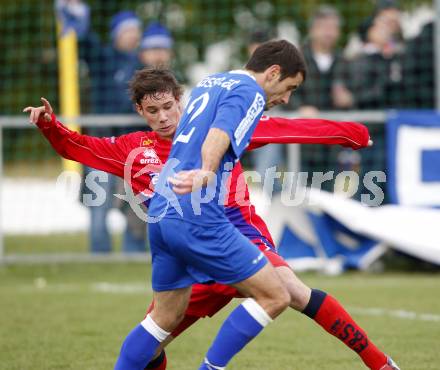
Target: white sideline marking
{"type": "Point", "coordinates": [399, 314]}
{"type": "Point", "coordinates": [116, 288]}
{"type": "Point", "coordinates": [41, 285]}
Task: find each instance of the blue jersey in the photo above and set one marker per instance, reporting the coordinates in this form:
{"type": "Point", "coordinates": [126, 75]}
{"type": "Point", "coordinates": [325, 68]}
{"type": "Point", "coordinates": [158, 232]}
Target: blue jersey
{"type": "Point", "coordinates": [232, 102]}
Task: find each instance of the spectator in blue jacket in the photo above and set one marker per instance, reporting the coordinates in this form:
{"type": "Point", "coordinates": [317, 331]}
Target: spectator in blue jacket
{"type": "Point", "coordinates": [109, 67]}
{"type": "Point", "coordinates": [156, 47]}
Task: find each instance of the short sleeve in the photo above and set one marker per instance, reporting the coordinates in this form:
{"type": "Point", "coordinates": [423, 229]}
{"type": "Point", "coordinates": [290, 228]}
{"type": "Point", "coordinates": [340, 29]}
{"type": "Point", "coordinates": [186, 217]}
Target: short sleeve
{"type": "Point", "coordinates": [238, 115]}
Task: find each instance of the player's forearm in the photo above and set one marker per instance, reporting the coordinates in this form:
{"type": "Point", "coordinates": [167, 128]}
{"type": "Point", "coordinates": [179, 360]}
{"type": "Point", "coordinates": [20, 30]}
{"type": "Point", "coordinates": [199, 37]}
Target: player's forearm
{"type": "Point", "coordinates": [88, 150]}
{"type": "Point", "coordinates": [213, 149]}
{"type": "Point", "coordinates": [56, 134]}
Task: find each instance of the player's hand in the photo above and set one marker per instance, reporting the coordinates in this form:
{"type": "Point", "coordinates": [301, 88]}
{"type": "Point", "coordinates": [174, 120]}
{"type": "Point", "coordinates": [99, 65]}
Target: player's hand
{"type": "Point", "coordinates": [186, 182]}
{"type": "Point", "coordinates": [35, 112]}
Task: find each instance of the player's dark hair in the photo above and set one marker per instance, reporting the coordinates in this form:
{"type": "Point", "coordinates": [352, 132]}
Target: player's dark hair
{"type": "Point", "coordinates": [153, 82]}
{"type": "Point", "coordinates": [280, 52]}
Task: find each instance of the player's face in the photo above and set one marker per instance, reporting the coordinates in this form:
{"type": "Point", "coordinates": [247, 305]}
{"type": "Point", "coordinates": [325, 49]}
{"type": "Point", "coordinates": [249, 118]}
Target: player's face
{"type": "Point", "coordinates": [278, 92]}
{"type": "Point", "coordinates": [161, 112]}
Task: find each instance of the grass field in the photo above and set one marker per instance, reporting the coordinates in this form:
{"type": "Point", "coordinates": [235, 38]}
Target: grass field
{"type": "Point", "coordinates": [76, 316]}
{"type": "Point", "coordinates": [53, 243]}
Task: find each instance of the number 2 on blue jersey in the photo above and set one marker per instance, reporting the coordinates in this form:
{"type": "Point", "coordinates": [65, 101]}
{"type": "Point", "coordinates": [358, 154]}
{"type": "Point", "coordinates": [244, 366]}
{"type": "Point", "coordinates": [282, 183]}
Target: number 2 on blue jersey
{"type": "Point", "coordinates": [203, 99]}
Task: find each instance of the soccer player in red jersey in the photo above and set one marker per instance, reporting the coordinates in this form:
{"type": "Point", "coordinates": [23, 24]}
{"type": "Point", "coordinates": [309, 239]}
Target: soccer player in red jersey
{"type": "Point", "coordinates": [138, 158]}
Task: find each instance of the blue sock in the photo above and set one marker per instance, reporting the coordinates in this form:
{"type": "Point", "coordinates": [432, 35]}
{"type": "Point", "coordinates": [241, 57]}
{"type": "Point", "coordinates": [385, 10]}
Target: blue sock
{"type": "Point", "coordinates": [140, 346]}
{"type": "Point", "coordinates": [242, 325]}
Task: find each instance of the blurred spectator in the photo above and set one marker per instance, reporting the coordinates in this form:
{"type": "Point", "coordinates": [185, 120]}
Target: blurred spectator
{"type": "Point", "coordinates": [377, 71]}
{"type": "Point", "coordinates": [256, 38]}
{"type": "Point", "coordinates": [389, 11]}
{"type": "Point", "coordinates": [156, 46]}
{"type": "Point", "coordinates": [325, 87]}
{"type": "Point", "coordinates": [418, 70]}
{"type": "Point", "coordinates": [110, 67]}
{"type": "Point", "coordinates": [74, 14]}
{"type": "Point", "coordinates": [156, 50]}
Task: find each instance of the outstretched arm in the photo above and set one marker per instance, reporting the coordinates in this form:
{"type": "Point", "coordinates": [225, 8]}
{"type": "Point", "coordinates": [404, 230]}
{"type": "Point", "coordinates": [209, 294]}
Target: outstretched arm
{"type": "Point", "coordinates": [309, 131]}
{"type": "Point", "coordinates": [106, 154]}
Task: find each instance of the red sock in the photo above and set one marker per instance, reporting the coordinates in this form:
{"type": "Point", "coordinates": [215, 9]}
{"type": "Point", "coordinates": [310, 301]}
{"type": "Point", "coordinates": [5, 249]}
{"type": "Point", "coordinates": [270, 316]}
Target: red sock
{"type": "Point", "coordinates": [159, 363]}
{"type": "Point", "coordinates": [330, 314]}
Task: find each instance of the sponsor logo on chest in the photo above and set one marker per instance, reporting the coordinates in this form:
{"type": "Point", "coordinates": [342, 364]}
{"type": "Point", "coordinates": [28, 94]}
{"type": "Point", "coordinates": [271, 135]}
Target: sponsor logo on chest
{"type": "Point", "coordinates": [150, 157]}
{"type": "Point", "coordinates": [146, 141]}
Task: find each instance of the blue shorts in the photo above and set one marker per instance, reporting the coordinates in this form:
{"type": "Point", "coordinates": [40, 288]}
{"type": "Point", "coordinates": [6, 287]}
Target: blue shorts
{"type": "Point", "coordinates": [184, 253]}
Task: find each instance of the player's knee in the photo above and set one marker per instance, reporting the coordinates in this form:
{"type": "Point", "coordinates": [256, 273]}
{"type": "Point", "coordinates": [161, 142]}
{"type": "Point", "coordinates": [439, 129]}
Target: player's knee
{"type": "Point", "coordinates": [178, 318]}
{"type": "Point", "coordinates": [168, 320]}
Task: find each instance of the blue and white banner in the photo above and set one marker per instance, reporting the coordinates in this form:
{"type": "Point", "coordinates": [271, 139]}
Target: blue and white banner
{"type": "Point", "coordinates": [413, 149]}
{"type": "Point", "coordinates": [309, 238]}
{"type": "Point", "coordinates": [332, 233]}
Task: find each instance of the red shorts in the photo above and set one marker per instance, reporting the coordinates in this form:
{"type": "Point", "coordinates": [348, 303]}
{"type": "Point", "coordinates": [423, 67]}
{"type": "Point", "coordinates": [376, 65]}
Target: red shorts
{"type": "Point", "coordinates": [208, 299]}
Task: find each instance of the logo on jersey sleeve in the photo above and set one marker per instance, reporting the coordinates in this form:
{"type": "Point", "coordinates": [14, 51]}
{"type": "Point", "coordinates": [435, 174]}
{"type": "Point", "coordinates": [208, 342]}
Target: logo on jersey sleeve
{"type": "Point", "coordinates": [252, 113]}
{"type": "Point", "coordinates": [258, 258]}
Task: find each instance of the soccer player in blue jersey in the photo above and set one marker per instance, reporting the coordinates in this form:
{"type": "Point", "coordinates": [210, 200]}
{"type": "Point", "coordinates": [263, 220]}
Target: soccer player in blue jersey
{"type": "Point", "coordinates": [191, 238]}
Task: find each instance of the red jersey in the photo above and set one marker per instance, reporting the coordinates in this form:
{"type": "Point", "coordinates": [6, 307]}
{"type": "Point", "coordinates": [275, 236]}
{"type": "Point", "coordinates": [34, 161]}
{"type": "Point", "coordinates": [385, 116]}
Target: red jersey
{"type": "Point", "coordinates": [138, 157]}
